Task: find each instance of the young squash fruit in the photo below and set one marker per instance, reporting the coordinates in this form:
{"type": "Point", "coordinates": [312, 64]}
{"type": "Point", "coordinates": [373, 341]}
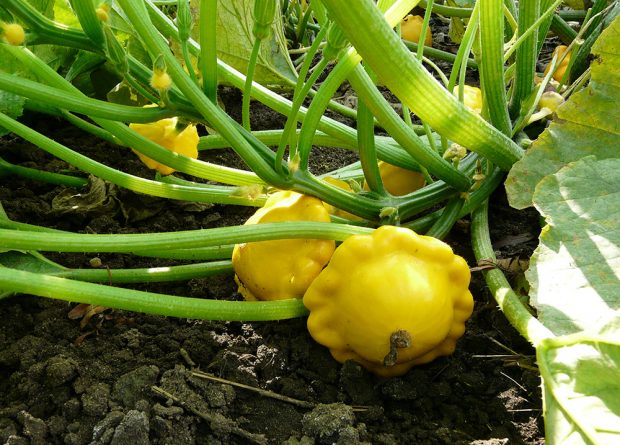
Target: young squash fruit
{"type": "Point", "coordinates": [390, 300]}
{"type": "Point", "coordinates": [335, 210]}
{"type": "Point", "coordinates": [558, 52]}
{"type": "Point", "coordinates": [13, 33]}
{"type": "Point", "coordinates": [399, 181]}
{"type": "Point", "coordinates": [165, 133]}
{"type": "Point", "coordinates": [411, 28]}
{"type": "Point", "coordinates": [281, 269]}
{"type": "Point", "coordinates": [472, 97]}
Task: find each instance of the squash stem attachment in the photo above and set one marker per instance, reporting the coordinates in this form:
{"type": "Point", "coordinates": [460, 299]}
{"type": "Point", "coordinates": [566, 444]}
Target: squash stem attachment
{"type": "Point", "coordinates": [398, 340]}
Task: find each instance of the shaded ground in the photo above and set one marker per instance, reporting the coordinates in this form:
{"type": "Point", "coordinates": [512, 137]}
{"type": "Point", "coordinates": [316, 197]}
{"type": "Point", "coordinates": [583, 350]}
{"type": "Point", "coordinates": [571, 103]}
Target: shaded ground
{"type": "Point", "coordinates": [127, 378]}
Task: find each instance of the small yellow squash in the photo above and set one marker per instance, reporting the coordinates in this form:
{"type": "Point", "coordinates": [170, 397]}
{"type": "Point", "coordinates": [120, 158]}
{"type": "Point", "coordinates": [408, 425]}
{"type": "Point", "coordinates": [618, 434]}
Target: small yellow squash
{"type": "Point", "coordinates": [390, 300]}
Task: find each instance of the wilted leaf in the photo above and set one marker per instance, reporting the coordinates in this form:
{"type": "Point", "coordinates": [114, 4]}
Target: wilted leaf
{"type": "Point", "coordinates": [588, 124]}
{"type": "Point", "coordinates": [100, 199]}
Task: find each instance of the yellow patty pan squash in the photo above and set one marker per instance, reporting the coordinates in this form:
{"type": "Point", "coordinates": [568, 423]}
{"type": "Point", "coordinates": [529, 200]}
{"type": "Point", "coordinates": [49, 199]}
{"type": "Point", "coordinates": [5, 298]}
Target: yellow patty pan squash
{"type": "Point", "coordinates": [165, 133]}
{"type": "Point", "coordinates": [558, 52]}
{"type": "Point", "coordinates": [399, 181]}
{"type": "Point", "coordinates": [390, 300]}
{"type": "Point", "coordinates": [411, 28]}
{"type": "Point", "coordinates": [472, 97]}
{"type": "Point", "coordinates": [281, 269]}
{"type": "Point", "coordinates": [335, 210]}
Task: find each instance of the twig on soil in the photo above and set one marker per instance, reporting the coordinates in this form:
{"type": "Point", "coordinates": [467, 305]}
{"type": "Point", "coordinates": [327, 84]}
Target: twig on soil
{"type": "Point", "coordinates": [267, 393]}
{"type": "Point", "coordinates": [217, 421]}
{"type": "Point", "coordinates": [262, 392]}
{"type": "Point", "coordinates": [514, 381]}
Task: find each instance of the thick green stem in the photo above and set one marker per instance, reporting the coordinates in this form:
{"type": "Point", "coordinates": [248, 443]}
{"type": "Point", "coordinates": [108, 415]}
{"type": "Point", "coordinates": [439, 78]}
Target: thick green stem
{"type": "Point", "coordinates": [474, 199]}
{"type": "Point", "coordinates": [208, 52]}
{"type": "Point", "coordinates": [155, 188]}
{"type": "Point", "coordinates": [513, 308]}
{"type": "Point", "coordinates": [434, 53]}
{"type": "Point", "coordinates": [526, 56]}
{"type": "Point", "coordinates": [277, 102]}
{"type": "Point", "coordinates": [302, 87]}
{"type": "Point", "coordinates": [44, 30]}
{"type": "Point", "coordinates": [368, 153]}
{"type": "Point", "coordinates": [77, 242]}
{"type": "Point", "coordinates": [406, 77]}
{"type": "Point", "coordinates": [218, 119]}
{"type": "Point", "coordinates": [247, 89]}
{"type": "Point", "coordinates": [562, 29]}
{"type": "Point", "coordinates": [148, 302]}
{"type": "Point", "coordinates": [78, 103]}
{"type": "Point", "coordinates": [403, 134]}
{"type": "Point", "coordinates": [491, 64]}
{"type": "Point", "coordinates": [85, 11]}
{"type": "Point", "coordinates": [39, 175]}
{"type": "Point", "coordinates": [150, 275]}
{"type": "Point", "coordinates": [124, 134]}
{"type": "Point", "coordinates": [450, 214]}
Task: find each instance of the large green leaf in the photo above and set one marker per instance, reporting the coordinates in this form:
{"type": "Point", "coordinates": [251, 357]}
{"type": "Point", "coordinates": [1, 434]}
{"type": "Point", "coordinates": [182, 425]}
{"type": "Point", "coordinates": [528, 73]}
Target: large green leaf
{"type": "Point", "coordinates": [587, 124]}
{"type": "Point", "coordinates": [575, 271]}
{"type": "Point", "coordinates": [581, 377]}
{"type": "Point", "coordinates": [574, 280]}
{"type": "Point", "coordinates": [235, 41]}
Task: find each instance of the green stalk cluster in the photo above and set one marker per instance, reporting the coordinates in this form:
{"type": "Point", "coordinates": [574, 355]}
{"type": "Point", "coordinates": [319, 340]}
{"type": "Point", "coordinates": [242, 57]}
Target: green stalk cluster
{"type": "Point", "coordinates": [191, 95]}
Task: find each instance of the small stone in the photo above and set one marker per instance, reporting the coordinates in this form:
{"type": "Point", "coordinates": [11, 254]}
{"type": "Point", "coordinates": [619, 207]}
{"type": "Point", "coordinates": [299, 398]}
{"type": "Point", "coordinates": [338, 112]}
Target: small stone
{"type": "Point", "coordinates": [109, 422]}
{"type": "Point", "coordinates": [325, 422]}
{"type": "Point", "coordinates": [133, 429]}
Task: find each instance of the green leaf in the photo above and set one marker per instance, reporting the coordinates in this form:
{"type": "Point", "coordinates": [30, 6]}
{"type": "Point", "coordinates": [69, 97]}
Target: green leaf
{"type": "Point", "coordinates": [235, 41]}
{"type": "Point", "coordinates": [588, 124]}
{"type": "Point", "coordinates": [575, 271]}
{"type": "Point", "coordinates": [581, 386]}
{"type": "Point", "coordinates": [29, 261]}
{"type": "Point", "coordinates": [65, 15]}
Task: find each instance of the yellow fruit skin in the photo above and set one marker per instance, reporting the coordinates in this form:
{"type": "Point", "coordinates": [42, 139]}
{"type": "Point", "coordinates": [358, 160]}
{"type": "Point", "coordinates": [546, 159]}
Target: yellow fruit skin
{"type": "Point", "coordinates": [391, 280]}
{"type": "Point", "coordinates": [472, 97]}
{"type": "Point", "coordinates": [561, 68]}
{"type": "Point", "coordinates": [281, 269]}
{"type": "Point", "coordinates": [335, 210]}
{"type": "Point", "coordinates": [410, 29]}
{"type": "Point", "coordinates": [13, 33]}
{"type": "Point", "coordinates": [164, 133]}
{"type": "Point", "coordinates": [399, 181]}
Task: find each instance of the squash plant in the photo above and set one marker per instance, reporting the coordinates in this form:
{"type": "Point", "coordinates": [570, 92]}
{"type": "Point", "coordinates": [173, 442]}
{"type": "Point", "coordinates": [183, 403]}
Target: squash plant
{"type": "Point", "coordinates": [172, 55]}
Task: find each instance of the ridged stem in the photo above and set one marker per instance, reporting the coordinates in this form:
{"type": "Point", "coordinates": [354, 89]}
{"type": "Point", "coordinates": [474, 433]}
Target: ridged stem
{"type": "Point", "coordinates": [491, 64]}
{"type": "Point", "coordinates": [406, 77]}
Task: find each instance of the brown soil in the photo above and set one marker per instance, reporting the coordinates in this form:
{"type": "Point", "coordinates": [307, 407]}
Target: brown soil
{"type": "Point", "coordinates": [62, 383]}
